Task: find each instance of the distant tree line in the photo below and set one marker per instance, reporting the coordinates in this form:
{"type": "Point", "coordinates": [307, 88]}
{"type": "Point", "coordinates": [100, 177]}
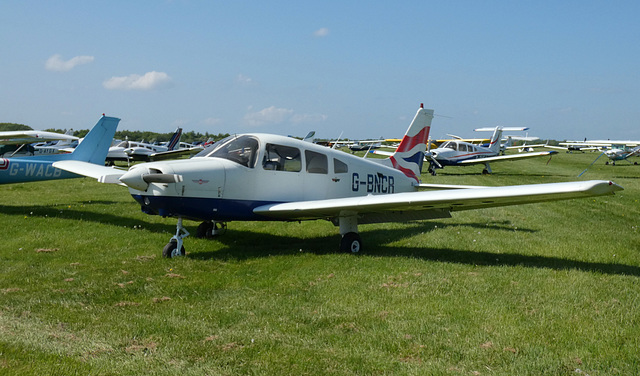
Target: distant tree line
{"type": "Point", "coordinates": [150, 137]}
{"type": "Point", "coordinates": [6, 127]}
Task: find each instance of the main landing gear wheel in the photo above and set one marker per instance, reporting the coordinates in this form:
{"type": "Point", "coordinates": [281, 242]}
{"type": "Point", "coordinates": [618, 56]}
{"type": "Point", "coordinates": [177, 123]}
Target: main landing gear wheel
{"type": "Point", "coordinates": [171, 249]}
{"type": "Point", "coordinates": [351, 243]}
{"type": "Point", "coordinates": [209, 229]}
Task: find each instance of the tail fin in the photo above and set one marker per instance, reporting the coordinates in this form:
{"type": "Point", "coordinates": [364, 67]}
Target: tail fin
{"type": "Point", "coordinates": [494, 144]}
{"type": "Point", "coordinates": [174, 142]}
{"type": "Point", "coordinates": [409, 156]}
{"type": "Point", "coordinates": [95, 146]}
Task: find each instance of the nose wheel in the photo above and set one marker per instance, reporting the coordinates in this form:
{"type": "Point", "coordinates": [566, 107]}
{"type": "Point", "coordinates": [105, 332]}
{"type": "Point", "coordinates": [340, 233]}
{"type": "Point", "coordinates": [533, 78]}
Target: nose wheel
{"type": "Point", "coordinates": [175, 248]}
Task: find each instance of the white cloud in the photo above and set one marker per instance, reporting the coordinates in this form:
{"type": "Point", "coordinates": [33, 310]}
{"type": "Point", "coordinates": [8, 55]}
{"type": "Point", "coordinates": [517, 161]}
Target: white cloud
{"type": "Point", "coordinates": [56, 64]}
{"type": "Point", "coordinates": [241, 78]}
{"type": "Point", "coordinates": [269, 115]}
{"type": "Point", "coordinates": [149, 81]}
{"type": "Point", "coordinates": [274, 115]}
{"type": "Point", "coordinates": [322, 32]}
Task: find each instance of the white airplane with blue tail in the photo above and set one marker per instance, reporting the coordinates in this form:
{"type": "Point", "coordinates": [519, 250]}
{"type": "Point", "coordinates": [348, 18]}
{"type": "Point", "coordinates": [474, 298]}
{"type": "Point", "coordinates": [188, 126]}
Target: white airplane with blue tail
{"type": "Point", "coordinates": [264, 177]}
{"type": "Point", "coordinates": [92, 150]}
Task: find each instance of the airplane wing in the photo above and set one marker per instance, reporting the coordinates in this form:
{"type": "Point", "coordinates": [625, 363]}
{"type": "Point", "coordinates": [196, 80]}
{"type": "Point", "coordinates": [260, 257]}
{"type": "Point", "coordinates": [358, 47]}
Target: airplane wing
{"type": "Point", "coordinates": [433, 204]}
{"type": "Point", "coordinates": [174, 153]}
{"type": "Point", "coordinates": [28, 137]}
{"type": "Point", "coordinates": [103, 174]}
{"type": "Point", "coordinates": [507, 157]}
{"type": "Point", "coordinates": [528, 146]}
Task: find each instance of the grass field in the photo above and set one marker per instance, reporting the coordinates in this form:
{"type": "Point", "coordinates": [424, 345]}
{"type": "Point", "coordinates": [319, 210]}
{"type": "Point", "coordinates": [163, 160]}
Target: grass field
{"type": "Point", "coordinates": [544, 289]}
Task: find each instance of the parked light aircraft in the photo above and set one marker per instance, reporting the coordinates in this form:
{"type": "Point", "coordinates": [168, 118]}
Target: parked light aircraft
{"type": "Point", "coordinates": [621, 153]}
{"type": "Point", "coordinates": [263, 177]}
{"type": "Point", "coordinates": [19, 142]}
{"type": "Point", "coordinates": [93, 149]}
{"type": "Point", "coordinates": [459, 153]}
{"type": "Point", "coordinates": [142, 151]}
{"type": "Point", "coordinates": [56, 147]}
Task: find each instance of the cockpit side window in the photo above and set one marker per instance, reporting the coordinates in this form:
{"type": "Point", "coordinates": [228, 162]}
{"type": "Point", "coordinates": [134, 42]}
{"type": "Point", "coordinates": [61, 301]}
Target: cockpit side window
{"type": "Point", "coordinates": [282, 158]}
{"type": "Point", "coordinates": [339, 167]}
{"type": "Point", "coordinates": [316, 162]}
{"type": "Point", "coordinates": [242, 150]}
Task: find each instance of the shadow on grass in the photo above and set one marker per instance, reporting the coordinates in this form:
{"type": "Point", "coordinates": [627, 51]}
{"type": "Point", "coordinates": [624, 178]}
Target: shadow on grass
{"type": "Point", "coordinates": [63, 212]}
{"type": "Point", "coordinates": [242, 245]}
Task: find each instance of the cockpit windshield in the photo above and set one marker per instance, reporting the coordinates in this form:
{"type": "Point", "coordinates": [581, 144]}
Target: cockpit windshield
{"type": "Point", "coordinates": [450, 145]}
{"type": "Point", "coordinates": [242, 150]}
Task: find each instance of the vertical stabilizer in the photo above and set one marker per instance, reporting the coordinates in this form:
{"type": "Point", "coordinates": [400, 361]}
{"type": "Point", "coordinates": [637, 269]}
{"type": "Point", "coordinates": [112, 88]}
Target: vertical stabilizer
{"type": "Point", "coordinates": [409, 156]}
{"type": "Point", "coordinates": [95, 145]}
{"type": "Point", "coordinates": [494, 144]}
{"type": "Point", "coordinates": [174, 142]}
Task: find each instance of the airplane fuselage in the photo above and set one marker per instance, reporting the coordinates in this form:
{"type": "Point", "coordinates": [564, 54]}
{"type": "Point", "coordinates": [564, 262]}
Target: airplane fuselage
{"type": "Point", "coordinates": [29, 169]}
{"type": "Point", "coordinates": [227, 184]}
{"type": "Point", "coordinates": [452, 153]}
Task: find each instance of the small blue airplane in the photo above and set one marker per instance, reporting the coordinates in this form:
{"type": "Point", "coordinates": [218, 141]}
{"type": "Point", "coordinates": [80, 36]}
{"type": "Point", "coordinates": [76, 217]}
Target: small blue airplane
{"type": "Point", "coordinates": [93, 149]}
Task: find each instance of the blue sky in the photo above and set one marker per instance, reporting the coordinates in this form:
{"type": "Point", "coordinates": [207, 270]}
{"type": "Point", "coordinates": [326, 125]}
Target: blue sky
{"type": "Point", "coordinates": [566, 69]}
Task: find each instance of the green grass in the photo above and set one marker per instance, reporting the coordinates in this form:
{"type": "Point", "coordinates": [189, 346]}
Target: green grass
{"type": "Point", "coordinates": [545, 289]}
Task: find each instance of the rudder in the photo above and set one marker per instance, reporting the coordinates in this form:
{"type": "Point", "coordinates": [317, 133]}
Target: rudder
{"type": "Point", "coordinates": [409, 156]}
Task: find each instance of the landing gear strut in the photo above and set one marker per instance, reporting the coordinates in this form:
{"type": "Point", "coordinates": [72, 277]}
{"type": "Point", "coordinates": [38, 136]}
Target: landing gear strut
{"type": "Point", "coordinates": [175, 248]}
{"type": "Point", "coordinates": [487, 169]}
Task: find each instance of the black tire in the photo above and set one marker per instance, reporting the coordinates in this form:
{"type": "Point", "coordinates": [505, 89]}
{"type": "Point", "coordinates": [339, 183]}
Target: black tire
{"type": "Point", "coordinates": [170, 250]}
{"type": "Point", "coordinates": [351, 243]}
{"type": "Point", "coordinates": [204, 230]}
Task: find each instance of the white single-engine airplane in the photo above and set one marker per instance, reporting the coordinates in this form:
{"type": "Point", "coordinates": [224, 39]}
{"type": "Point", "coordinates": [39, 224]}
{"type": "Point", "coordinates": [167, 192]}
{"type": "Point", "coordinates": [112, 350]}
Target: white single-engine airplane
{"type": "Point", "coordinates": [19, 143]}
{"type": "Point", "coordinates": [93, 149]}
{"type": "Point", "coordinates": [263, 177]}
{"type": "Point", "coordinates": [142, 151]}
{"type": "Point", "coordinates": [459, 153]}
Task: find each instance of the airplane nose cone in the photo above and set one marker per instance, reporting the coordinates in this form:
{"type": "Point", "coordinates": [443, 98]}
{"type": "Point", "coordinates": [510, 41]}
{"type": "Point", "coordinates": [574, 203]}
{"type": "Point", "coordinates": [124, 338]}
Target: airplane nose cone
{"type": "Point", "coordinates": [134, 178]}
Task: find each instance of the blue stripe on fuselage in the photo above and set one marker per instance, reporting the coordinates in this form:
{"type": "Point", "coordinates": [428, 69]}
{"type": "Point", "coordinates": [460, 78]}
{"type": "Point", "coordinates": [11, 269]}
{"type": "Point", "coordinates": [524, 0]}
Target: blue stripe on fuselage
{"type": "Point", "coordinates": [215, 209]}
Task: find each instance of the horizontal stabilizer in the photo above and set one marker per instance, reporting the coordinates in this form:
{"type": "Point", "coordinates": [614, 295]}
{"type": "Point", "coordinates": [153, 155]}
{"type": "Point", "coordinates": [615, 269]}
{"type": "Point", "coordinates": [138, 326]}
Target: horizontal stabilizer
{"type": "Point", "coordinates": [103, 174]}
